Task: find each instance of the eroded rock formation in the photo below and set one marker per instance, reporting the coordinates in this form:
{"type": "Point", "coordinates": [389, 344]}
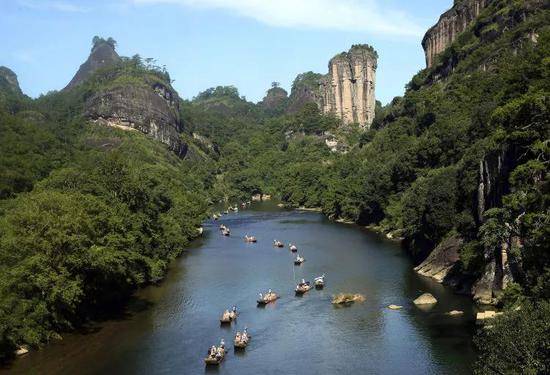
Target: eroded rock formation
{"type": "Point", "coordinates": [348, 90]}
{"type": "Point", "coordinates": [138, 98]}
{"type": "Point", "coordinates": [8, 81]}
{"type": "Point", "coordinates": [151, 110]}
{"type": "Point", "coordinates": [275, 100]}
{"type": "Point", "coordinates": [450, 25]}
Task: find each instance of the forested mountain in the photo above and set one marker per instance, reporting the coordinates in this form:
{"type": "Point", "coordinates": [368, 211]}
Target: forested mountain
{"type": "Point", "coordinates": [105, 181]}
{"type": "Point", "coordinates": [90, 209]}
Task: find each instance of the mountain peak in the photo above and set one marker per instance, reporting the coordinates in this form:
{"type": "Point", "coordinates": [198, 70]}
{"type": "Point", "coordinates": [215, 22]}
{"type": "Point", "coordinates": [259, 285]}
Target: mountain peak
{"type": "Point", "coordinates": [102, 54]}
{"type": "Point", "coordinates": [8, 80]}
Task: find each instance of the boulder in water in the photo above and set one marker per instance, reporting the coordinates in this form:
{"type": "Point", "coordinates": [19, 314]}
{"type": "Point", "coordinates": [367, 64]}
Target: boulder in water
{"type": "Point", "coordinates": [347, 298]}
{"type": "Point", "coordinates": [425, 299]}
{"type": "Point", "coordinates": [395, 307]}
{"type": "Point", "coordinates": [455, 313]}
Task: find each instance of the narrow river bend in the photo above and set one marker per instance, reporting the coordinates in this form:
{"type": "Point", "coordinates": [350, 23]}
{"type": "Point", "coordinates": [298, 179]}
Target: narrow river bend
{"type": "Point", "coordinates": [169, 327]}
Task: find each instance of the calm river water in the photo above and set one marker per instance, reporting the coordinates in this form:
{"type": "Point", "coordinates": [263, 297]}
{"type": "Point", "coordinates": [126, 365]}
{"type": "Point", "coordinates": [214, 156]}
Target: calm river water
{"type": "Point", "coordinates": [168, 328]}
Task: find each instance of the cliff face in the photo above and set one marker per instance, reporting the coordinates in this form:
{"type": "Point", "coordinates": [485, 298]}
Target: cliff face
{"type": "Point", "coordinates": [449, 26]}
{"type": "Point", "coordinates": [8, 81]}
{"type": "Point", "coordinates": [152, 109]}
{"type": "Point", "coordinates": [305, 89]}
{"type": "Point", "coordinates": [129, 94]}
{"type": "Point", "coordinates": [275, 100]}
{"type": "Point", "coordinates": [103, 54]}
{"type": "Point", "coordinates": [347, 91]}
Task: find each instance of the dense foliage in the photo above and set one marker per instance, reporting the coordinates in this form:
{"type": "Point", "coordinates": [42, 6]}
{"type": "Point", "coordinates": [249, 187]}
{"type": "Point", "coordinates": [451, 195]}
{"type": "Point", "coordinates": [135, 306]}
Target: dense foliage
{"type": "Point", "coordinates": [87, 215]}
{"type": "Point", "coordinates": [417, 172]}
{"type": "Point", "coordinates": [87, 210]}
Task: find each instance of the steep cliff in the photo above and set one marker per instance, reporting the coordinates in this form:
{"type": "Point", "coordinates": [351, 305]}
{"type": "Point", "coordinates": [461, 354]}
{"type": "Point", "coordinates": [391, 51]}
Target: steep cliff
{"type": "Point", "coordinates": [347, 91]}
{"type": "Point", "coordinates": [129, 94]}
{"type": "Point", "coordinates": [305, 89]}
{"type": "Point", "coordinates": [8, 81]}
{"type": "Point", "coordinates": [152, 109]}
{"type": "Point", "coordinates": [450, 25]}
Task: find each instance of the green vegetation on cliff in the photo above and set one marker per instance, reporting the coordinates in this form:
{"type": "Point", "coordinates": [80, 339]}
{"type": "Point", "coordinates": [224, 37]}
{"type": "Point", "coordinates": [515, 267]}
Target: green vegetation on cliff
{"type": "Point", "coordinates": [464, 152]}
{"type": "Point", "coordinates": [88, 213]}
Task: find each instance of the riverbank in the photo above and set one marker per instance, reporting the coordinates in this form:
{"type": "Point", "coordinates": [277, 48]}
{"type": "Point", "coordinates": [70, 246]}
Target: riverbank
{"type": "Point", "coordinates": [169, 326]}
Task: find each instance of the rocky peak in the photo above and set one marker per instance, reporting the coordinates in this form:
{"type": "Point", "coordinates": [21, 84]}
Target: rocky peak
{"type": "Point", "coordinates": [305, 89]}
{"type": "Point", "coordinates": [8, 81]}
{"type": "Point", "coordinates": [275, 98]}
{"type": "Point", "coordinates": [103, 54]}
{"type": "Point", "coordinates": [348, 90]}
{"type": "Point", "coordinates": [450, 25]}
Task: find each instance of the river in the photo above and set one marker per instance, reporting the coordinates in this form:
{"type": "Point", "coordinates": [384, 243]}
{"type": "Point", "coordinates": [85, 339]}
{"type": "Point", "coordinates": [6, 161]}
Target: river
{"type": "Point", "coordinates": [167, 328]}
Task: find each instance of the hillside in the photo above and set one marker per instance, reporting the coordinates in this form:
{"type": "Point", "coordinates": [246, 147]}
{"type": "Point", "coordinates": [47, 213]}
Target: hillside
{"type": "Point", "coordinates": [88, 212]}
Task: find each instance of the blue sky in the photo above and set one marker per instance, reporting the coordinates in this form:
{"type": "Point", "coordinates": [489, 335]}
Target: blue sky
{"type": "Point", "coordinates": [205, 43]}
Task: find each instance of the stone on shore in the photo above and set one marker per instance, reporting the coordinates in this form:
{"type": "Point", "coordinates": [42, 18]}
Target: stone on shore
{"type": "Point", "coordinates": [481, 317]}
{"type": "Point", "coordinates": [22, 350]}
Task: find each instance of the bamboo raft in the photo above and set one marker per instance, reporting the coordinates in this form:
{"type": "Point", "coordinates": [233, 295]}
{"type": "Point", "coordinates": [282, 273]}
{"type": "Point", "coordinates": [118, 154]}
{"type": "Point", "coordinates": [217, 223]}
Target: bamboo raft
{"type": "Point", "coordinates": [228, 316]}
{"type": "Point", "coordinates": [250, 239]}
{"type": "Point", "coordinates": [216, 359]}
{"type": "Point", "coordinates": [240, 342]}
{"type": "Point", "coordinates": [319, 282]}
{"type": "Point", "coordinates": [303, 288]}
{"type": "Point", "coordinates": [268, 298]}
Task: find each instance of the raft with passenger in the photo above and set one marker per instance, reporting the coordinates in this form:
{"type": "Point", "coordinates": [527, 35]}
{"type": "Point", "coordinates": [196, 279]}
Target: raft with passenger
{"type": "Point", "coordinates": [303, 287]}
{"type": "Point", "coordinates": [241, 339]}
{"type": "Point", "coordinates": [319, 282]}
{"type": "Point", "coordinates": [215, 355]}
{"type": "Point", "coordinates": [299, 260]}
{"type": "Point", "coordinates": [292, 247]}
{"type": "Point", "coordinates": [267, 298]}
{"type": "Point", "coordinates": [277, 243]}
{"type": "Point", "coordinates": [250, 239]}
{"type": "Point", "coordinates": [229, 316]}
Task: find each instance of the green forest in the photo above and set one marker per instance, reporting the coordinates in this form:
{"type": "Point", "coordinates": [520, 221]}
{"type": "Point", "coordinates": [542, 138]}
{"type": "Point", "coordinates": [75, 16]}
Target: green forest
{"type": "Point", "coordinates": [90, 213]}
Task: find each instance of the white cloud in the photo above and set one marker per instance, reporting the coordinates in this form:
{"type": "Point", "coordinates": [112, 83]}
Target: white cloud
{"type": "Point", "coordinates": [346, 15]}
{"type": "Point", "coordinates": [60, 6]}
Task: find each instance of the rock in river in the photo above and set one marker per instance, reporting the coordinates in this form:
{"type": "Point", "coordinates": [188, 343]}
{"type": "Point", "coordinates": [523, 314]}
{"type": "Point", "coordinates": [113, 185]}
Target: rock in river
{"type": "Point", "coordinates": [425, 299]}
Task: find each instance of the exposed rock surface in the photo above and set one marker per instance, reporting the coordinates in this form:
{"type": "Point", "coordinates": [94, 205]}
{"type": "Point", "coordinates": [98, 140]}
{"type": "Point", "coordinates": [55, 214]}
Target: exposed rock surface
{"type": "Point", "coordinates": [347, 91]}
{"type": "Point", "coordinates": [8, 81]}
{"type": "Point", "coordinates": [450, 25]}
{"type": "Point", "coordinates": [481, 317]}
{"type": "Point", "coordinates": [275, 99]}
{"type": "Point", "coordinates": [425, 299]}
{"type": "Point", "coordinates": [103, 54]}
{"type": "Point", "coordinates": [130, 100]}
{"type": "Point", "coordinates": [441, 260]}
{"type": "Point", "coordinates": [305, 89]}
{"type": "Point", "coordinates": [152, 110]}
{"type": "Point", "coordinates": [455, 313]}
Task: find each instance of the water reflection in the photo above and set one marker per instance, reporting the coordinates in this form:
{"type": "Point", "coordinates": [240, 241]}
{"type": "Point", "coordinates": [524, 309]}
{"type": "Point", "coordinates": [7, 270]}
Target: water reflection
{"type": "Point", "coordinates": [169, 327]}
